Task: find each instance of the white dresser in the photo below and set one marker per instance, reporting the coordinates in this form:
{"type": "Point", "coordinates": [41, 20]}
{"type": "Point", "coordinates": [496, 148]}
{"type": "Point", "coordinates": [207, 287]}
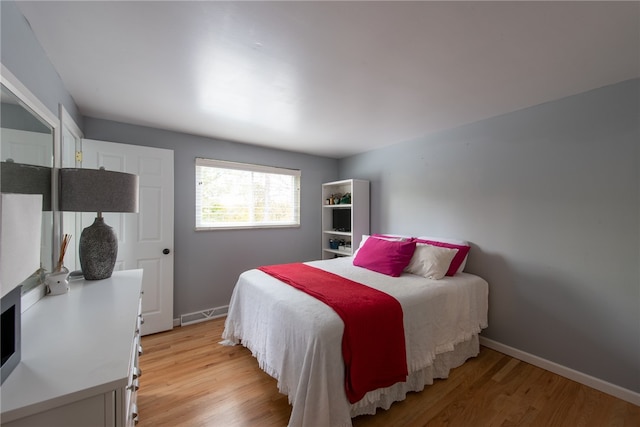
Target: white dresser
{"type": "Point", "coordinates": [79, 362]}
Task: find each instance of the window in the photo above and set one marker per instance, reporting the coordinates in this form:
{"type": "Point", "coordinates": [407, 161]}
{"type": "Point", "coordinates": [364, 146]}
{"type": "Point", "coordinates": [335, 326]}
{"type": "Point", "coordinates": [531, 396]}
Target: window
{"type": "Point", "coordinates": [243, 195]}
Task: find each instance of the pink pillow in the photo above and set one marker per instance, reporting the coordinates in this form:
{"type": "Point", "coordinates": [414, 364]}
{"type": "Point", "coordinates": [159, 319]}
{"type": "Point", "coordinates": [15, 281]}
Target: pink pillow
{"type": "Point", "coordinates": [463, 250]}
{"type": "Point", "coordinates": [385, 256]}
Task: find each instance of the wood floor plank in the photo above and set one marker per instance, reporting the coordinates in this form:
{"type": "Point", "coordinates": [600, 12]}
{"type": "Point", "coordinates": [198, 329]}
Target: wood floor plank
{"type": "Point", "coordinates": [189, 379]}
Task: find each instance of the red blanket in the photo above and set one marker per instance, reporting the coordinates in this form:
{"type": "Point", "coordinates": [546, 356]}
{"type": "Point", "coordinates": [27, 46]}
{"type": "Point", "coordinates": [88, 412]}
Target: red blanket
{"type": "Point", "coordinates": [373, 344]}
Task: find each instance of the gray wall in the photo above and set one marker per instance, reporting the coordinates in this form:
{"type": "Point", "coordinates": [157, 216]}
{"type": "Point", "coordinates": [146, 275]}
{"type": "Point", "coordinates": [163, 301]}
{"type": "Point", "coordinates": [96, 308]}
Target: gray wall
{"type": "Point", "coordinates": [549, 197]}
{"type": "Point", "coordinates": [22, 54]}
{"type": "Point", "coordinates": [207, 263]}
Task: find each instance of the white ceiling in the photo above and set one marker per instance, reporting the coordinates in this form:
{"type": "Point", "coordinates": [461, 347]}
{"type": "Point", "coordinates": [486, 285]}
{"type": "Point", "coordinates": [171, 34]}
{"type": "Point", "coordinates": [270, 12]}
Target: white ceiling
{"type": "Point", "coordinates": [330, 78]}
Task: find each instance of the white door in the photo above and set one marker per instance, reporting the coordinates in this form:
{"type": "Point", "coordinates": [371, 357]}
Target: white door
{"type": "Point", "coordinates": [145, 239]}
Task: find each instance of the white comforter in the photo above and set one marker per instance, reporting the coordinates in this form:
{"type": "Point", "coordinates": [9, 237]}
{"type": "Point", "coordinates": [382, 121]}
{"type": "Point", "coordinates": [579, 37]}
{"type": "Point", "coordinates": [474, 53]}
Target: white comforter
{"type": "Point", "coordinates": [297, 339]}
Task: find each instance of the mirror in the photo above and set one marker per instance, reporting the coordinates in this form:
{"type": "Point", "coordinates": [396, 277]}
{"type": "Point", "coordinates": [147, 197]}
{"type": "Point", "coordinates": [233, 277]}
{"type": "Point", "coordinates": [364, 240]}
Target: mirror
{"type": "Point", "coordinates": [26, 155]}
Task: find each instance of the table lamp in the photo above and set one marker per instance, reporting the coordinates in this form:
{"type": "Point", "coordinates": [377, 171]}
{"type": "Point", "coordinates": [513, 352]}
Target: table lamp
{"type": "Point", "coordinates": [98, 190]}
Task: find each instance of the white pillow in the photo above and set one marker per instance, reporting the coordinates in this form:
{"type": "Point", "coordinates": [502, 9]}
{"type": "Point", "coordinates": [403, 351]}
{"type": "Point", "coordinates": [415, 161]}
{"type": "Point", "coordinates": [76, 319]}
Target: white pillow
{"type": "Point", "coordinates": [364, 239]}
{"type": "Point", "coordinates": [453, 242]}
{"type": "Point", "coordinates": [430, 261]}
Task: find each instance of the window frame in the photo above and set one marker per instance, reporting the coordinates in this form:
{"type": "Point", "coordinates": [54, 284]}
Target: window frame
{"type": "Point", "coordinates": [247, 167]}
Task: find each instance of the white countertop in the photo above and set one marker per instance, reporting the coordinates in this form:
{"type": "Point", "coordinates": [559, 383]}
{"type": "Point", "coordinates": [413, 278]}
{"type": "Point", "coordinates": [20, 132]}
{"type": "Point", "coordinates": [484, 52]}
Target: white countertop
{"type": "Point", "coordinates": [74, 345]}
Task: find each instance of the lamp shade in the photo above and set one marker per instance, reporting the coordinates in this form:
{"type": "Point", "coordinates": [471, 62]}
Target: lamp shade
{"type": "Point", "coordinates": [26, 179]}
{"type": "Point", "coordinates": [98, 190]}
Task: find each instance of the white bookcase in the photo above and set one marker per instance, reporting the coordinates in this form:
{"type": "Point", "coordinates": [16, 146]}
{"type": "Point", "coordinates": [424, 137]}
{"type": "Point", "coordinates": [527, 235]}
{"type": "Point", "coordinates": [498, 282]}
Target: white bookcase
{"type": "Point", "coordinates": [344, 222]}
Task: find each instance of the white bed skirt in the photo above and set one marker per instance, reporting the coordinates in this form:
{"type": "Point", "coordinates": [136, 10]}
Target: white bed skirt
{"type": "Point", "coordinates": [416, 381]}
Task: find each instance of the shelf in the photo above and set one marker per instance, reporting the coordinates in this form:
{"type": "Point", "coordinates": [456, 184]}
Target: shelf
{"type": "Point", "coordinates": [338, 252]}
{"type": "Point", "coordinates": [339, 205]}
{"type": "Point", "coordinates": [337, 233]}
{"type": "Point", "coordinates": [353, 216]}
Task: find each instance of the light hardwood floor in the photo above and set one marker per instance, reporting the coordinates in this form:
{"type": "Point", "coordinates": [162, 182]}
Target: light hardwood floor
{"type": "Point", "coordinates": [191, 380]}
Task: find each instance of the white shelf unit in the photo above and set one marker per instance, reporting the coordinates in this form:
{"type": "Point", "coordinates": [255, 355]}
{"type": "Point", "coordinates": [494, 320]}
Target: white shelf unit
{"type": "Point", "coordinates": [358, 218]}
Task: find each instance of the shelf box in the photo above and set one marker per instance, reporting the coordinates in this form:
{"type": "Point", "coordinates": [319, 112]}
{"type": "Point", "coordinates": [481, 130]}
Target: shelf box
{"type": "Point", "coordinates": [358, 218]}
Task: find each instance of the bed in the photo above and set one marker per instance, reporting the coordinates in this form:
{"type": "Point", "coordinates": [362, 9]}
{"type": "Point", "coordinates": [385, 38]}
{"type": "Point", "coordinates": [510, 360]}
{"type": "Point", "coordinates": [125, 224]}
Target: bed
{"type": "Point", "coordinates": [297, 339]}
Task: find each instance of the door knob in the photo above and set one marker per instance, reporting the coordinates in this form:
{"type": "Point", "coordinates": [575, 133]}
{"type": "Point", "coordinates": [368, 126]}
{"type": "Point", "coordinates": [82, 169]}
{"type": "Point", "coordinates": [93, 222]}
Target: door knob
{"type": "Point", "coordinates": [166, 251]}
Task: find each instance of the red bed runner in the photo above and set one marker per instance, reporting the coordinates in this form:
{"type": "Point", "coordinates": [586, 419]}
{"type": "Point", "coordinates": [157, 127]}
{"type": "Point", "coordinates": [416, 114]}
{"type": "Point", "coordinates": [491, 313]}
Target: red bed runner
{"type": "Point", "coordinates": [373, 346]}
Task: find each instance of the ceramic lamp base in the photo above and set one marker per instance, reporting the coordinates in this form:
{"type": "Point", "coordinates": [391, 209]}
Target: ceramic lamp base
{"type": "Point", "coordinates": [98, 250]}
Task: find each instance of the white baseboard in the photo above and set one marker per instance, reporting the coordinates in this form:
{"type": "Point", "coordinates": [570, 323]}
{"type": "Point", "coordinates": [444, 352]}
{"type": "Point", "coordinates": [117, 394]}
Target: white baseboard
{"type": "Point", "coordinates": [200, 316]}
{"type": "Point", "coordinates": [582, 378]}
{"type": "Point", "coordinates": [203, 315]}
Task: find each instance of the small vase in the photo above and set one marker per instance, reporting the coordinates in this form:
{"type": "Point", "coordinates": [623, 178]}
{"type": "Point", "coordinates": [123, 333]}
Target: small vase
{"type": "Point", "coordinates": [60, 268]}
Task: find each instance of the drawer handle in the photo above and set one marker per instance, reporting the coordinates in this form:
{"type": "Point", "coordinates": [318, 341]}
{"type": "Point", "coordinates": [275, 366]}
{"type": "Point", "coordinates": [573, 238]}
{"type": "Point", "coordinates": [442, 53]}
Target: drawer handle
{"type": "Point", "coordinates": [134, 413]}
{"type": "Point", "coordinates": [140, 351]}
{"type": "Point", "coordinates": [137, 373]}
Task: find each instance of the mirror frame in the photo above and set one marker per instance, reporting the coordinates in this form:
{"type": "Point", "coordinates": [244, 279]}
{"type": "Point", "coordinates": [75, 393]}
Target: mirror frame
{"type": "Point", "coordinates": [12, 83]}
{"type": "Point", "coordinates": [70, 222]}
